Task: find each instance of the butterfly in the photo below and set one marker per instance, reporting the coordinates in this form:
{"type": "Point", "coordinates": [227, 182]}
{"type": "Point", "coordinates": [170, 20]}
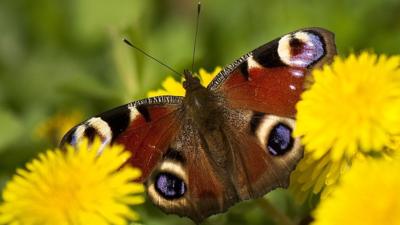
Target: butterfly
{"type": "Point", "coordinates": [224, 143]}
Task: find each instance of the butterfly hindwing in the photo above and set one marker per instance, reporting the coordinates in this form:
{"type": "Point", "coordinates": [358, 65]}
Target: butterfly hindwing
{"type": "Point", "coordinates": [265, 151]}
{"type": "Point", "coordinates": [185, 181]}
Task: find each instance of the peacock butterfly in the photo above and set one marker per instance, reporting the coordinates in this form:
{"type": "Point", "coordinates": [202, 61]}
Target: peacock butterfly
{"type": "Point", "coordinates": [224, 143]}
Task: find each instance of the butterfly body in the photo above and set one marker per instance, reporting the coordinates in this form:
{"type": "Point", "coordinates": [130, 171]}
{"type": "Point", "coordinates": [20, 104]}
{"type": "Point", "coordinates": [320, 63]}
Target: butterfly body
{"type": "Point", "coordinates": [224, 143]}
{"type": "Point", "coordinates": [200, 104]}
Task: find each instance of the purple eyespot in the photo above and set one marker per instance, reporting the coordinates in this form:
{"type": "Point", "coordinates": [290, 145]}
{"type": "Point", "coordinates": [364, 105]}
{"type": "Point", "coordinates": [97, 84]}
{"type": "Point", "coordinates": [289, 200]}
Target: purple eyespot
{"type": "Point", "coordinates": [305, 52]}
{"type": "Point", "coordinates": [280, 139]}
{"type": "Point", "coordinates": [301, 49]}
{"type": "Point", "coordinates": [169, 186]}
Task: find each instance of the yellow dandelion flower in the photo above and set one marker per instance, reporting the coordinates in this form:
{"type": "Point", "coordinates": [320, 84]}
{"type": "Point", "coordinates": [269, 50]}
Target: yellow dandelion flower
{"type": "Point", "coordinates": [206, 77]}
{"type": "Point", "coordinates": [169, 87]}
{"type": "Point", "coordinates": [351, 111]}
{"type": "Point", "coordinates": [55, 127]}
{"type": "Point", "coordinates": [73, 187]}
{"type": "Point", "coordinates": [360, 201]}
{"type": "Point", "coordinates": [172, 87]}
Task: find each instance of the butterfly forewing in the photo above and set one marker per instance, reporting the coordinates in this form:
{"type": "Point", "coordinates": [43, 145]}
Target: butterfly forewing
{"type": "Point", "coordinates": [145, 127]}
{"type": "Point", "coordinates": [271, 78]}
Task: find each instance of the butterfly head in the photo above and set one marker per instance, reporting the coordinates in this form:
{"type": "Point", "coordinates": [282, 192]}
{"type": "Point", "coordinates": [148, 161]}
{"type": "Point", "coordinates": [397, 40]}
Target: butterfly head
{"type": "Point", "coordinates": [191, 82]}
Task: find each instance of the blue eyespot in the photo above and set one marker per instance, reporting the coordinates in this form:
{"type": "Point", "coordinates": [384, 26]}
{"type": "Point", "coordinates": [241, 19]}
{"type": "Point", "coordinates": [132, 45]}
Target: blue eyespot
{"type": "Point", "coordinates": [169, 186]}
{"type": "Point", "coordinates": [280, 139]}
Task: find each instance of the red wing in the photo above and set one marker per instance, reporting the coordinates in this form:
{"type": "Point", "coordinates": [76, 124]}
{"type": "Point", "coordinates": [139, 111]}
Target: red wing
{"type": "Point", "coordinates": [259, 170]}
{"type": "Point", "coordinates": [196, 189]}
{"type": "Point", "coordinates": [271, 78]}
{"type": "Point", "coordinates": [144, 127]}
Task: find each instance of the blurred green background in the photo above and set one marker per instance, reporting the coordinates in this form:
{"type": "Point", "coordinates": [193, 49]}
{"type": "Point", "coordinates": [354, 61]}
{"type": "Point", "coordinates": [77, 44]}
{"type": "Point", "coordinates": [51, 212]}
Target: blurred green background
{"type": "Point", "coordinates": [67, 56]}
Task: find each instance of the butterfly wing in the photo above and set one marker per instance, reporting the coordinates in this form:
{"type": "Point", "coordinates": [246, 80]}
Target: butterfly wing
{"type": "Point", "coordinates": [272, 77]}
{"type": "Point", "coordinates": [264, 150]}
{"type": "Point", "coordinates": [185, 181]}
{"type": "Point", "coordinates": [260, 92]}
{"type": "Point", "coordinates": [145, 127]}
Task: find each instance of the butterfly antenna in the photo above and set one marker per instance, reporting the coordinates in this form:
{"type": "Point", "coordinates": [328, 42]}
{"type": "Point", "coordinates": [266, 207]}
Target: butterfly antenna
{"type": "Point", "coordinates": [195, 35]}
{"type": "Point", "coordinates": [151, 57]}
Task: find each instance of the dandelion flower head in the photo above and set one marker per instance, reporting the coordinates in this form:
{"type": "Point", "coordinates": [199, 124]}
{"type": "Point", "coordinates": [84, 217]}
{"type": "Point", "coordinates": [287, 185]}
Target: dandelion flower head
{"type": "Point", "coordinates": [351, 111]}
{"type": "Point", "coordinates": [73, 187]}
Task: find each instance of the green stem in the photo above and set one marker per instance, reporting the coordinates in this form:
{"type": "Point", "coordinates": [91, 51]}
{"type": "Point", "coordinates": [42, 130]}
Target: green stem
{"type": "Point", "coordinates": [274, 213]}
